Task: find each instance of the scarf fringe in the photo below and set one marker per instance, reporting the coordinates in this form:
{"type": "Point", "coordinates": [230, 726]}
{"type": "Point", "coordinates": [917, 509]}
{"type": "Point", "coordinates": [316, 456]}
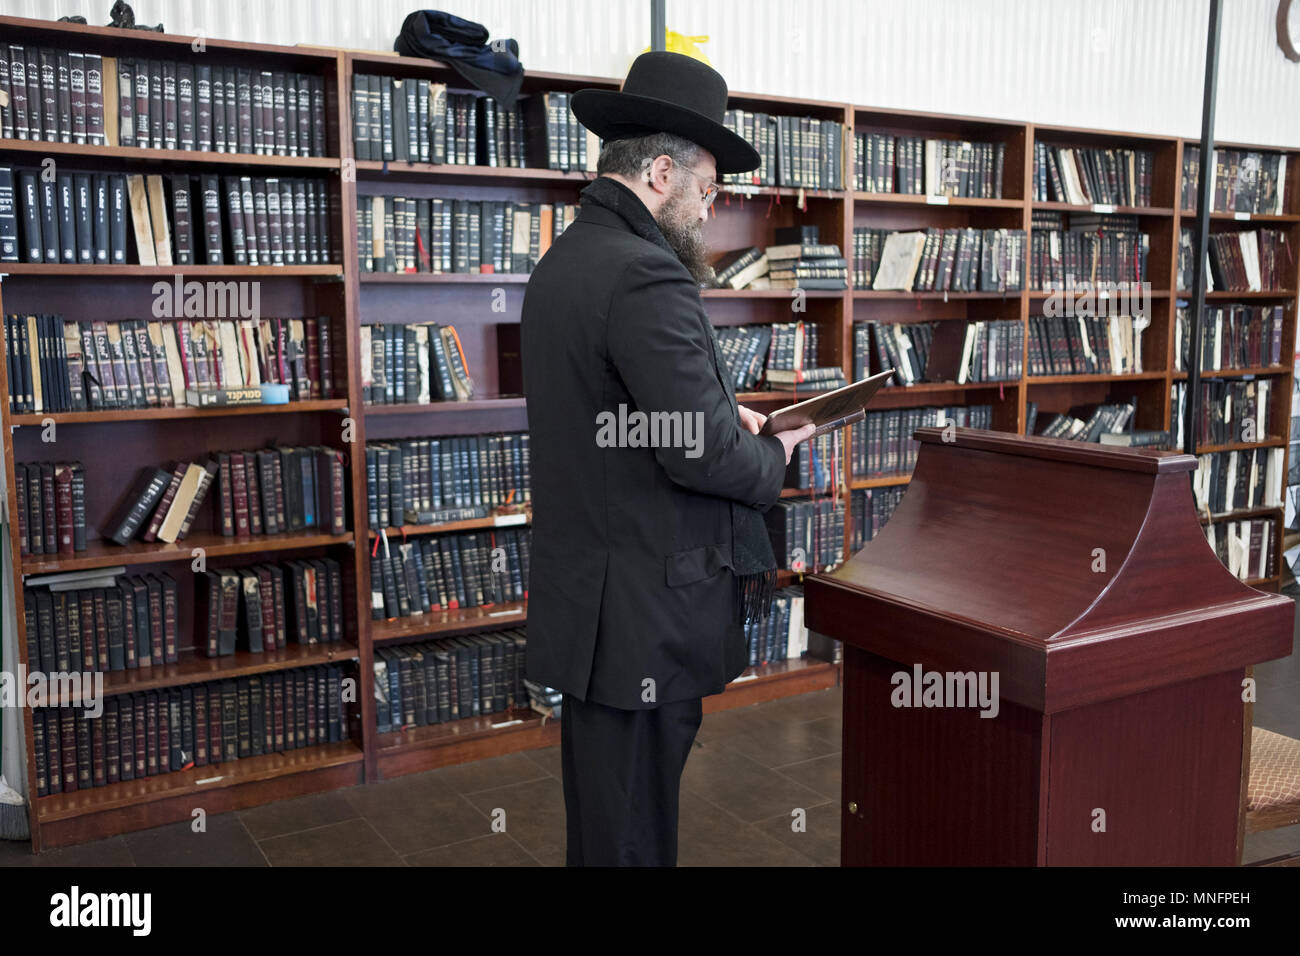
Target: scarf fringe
{"type": "Point", "coordinates": [756, 592]}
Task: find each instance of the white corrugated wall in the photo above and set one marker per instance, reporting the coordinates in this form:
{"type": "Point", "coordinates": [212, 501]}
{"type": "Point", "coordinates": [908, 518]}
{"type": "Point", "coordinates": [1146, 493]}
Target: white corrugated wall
{"type": "Point", "coordinates": [1115, 64]}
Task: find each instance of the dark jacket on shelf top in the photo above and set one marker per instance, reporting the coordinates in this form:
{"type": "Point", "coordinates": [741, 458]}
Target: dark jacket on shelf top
{"type": "Point", "coordinates": [632, 598]}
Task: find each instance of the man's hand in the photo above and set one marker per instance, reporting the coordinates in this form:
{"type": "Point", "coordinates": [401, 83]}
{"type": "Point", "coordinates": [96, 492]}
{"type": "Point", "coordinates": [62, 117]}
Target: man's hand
{"type": "Point", "coordinates": [751, 419]}
{"type": "Point", "coordinates": [794, 436]}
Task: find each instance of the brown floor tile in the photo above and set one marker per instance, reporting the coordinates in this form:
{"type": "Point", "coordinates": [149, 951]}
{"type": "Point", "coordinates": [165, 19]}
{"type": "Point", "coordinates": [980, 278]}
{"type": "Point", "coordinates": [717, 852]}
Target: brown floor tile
{"type": "Point", "coordinates": [820, 838]}
{"type": "Point", "coordinates": [548, 758]}
{"type": "Point", "coordinates": [810, 706]}
{"type": "Point", "coordinates": [417, 812]}
{"type": "Point", "coordinates": [497, 849]}
{"type": "Point", "coordinates": [224, 843]}
{"type": "Point", "coordinates": [111, 851]}
{"type": "Point", "coordinates": [534, 816]}
{"type": "Point", "coordinates": [709, 836]}
{"type": "Point", "coordinates": [745, 789]}
{"type": "Point", "coordinates": [16, 853]}
{"type": "Point", "coordinates": [785, 742]}
{"type": "Point", "coordinates": [349, 843]}
{"type": "Point", "coordinates": [1270, 843]}
{"type": "Point", "coordinates": [487, 774]}
{"type": "Point", "coordinates": [738, 720]}
{"type": "Point", "coordinates": [821, 774]}
{"type": "Point", "coordinates": [297, 813]}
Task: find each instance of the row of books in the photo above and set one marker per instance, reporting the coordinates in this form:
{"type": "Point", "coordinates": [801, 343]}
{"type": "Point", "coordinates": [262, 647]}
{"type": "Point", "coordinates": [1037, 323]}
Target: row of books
{"type": "Point", "coordinates": [1251, 260]}
{"type": "Point", "coordinates": [1103, 419]}
{"type": "Point", "coordinates": [979, 351]}
{"type": "Point", "coordinates": [153, 732]}
{"type": "Point", "coordinates": [445, 478]}
{"type": "Point", "coordinates": [882, 445]}
{"type": "Point", "coordinates": [1091, 250]}
{"type": "Point", "coordinates": [398, 234]}
{"type": "Point", "coordinates": [793, 150]}
{"type": "Point", "coordinates": [265, 607]}
{"type": "Point", "coordinates": [1116, 177]}
{"type": "Point", "coordinates": [66, 96]}
{"type": "Point", "coordinates": [81, 218]}
{"type": "Point", "coordinates": [51, 503]}
{"type": "Point", "coordinates": [807, 534]}
{"type": "Point", "coordinates": [1241, 180]}
{"type": "Point", "coordinates": [884, 163]}
{"type": "Point", "coordinates": [448, 571]}
{"type": "Point", "coordinates": [125, 623]}
{"type": "Point", "coordinates": [57, 365]}
{"type": "Point", "coordinates": [413, 364]}
{"type": "Point", "coordinates": [869, 510]}
{"type": "Point", "coordinates": [1231, 411]}
{"type": "Point", "coordinates": [1247, 478]}
{"type": "Point", "coordinates": [815, 463]}
{"type": "Point", "coordinates": [1247, 548]}
{"type": "Point", "coordinates": [1232, 336]}
{"type": "Point", "coordinates": [1086, 344]}
{"type": "Point", "coordinates": [432, 682]}
{"type": "Point", "coordinates": [938, 260]}
{"type": "Point", "coordinates": [781, 635]}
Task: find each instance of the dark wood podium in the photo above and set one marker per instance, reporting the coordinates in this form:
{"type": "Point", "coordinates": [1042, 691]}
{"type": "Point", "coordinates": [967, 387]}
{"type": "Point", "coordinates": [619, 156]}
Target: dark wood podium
{"type": "Point", "coordinates": [1080, 576]}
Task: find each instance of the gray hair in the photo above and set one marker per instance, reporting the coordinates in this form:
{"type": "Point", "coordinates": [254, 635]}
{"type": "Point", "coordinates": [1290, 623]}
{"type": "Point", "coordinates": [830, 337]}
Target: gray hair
{"type": "Point", "coordinates": [628, 157]}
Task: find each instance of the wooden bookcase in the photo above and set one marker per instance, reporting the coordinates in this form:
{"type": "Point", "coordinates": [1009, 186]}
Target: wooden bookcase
{"type": "Point", "coordinates": [113, 443]}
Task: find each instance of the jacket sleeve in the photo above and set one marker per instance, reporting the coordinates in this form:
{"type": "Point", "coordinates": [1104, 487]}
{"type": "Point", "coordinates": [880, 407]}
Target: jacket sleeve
{"type": "Point", "coordinates": [660, 347]}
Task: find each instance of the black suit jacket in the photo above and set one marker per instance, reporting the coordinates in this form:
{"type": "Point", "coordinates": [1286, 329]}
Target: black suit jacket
{"type": "Point", "coordinates": [632, 600]}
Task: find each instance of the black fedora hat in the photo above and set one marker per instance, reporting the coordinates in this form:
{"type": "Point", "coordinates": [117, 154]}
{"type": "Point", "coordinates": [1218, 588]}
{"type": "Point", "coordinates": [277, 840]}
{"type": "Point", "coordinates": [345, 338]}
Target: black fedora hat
{"type": "Point", "coordinates": [668, 93]}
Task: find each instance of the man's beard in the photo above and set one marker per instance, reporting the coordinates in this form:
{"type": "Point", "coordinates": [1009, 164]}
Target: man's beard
{"type": "Point", "coordinates": [681, 227]}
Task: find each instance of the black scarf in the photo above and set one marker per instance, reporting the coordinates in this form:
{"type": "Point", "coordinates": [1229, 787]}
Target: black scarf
{"type": "Point", "coordinates": [751, 548]}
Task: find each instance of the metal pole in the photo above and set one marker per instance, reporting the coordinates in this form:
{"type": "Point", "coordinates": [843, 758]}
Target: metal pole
{"type": "Point", "coordinates": [658, 25]}
{"type": "Point", "coordinates": [1203, 198]}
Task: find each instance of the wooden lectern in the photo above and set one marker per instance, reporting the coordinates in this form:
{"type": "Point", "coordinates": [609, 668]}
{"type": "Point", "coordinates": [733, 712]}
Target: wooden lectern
{"type": "Point", "coordinates": [1078, 575]}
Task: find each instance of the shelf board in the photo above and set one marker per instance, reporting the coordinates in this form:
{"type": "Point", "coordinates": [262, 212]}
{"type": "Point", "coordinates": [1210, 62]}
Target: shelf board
{"type": "Point", "coordinates": [742, 191]}
{"type": "Point", "coordinates": [193, 668]}
{"type": "Point", "coordinates": [923, 388]}
{"type": "Point", "coordinates": [187, 157]}
{"type": "Point", "coordinates": [896, 295]}
{"type": "Point", "coordinates": [1228, 296]}
{"type": "Point", "coordinates": [769, 293]}
{"type": "Point", "coordinates": [1240, 372]}
{"type": "Point", "coordinates": [447, 278]}
{"type": "Point", "coordinates": [1037, 295]}
{"type": "Point", "coordinates": [105, 553]}
{"type": "Point", "coordinates": [914, 199]}
{"type": "Point", "coordinates": [1239, 514]}
{"type": "Point", "coordinates": [885, 481]}
{"type": "Point", "coordinates": [1265, 218]}
{"type": "Point", "coordinates": [1241, 445]}
{"type": "Point", "coordinates": [1110, 210]}
{"type": "Point", "coordinates": [1100, 377]}
{"type": "Point", "coordinates": [74, 269]}
{"type": "Point", "coordinates": [471, 405]}
{"type": "Point", "coordinates": [180, 783]}
{"type": "Point", "coordinates": [148, 414]}
{"type": "Point", "coordinates": [469, 174]}
{"type": "Point", "coordinates": [468, 524]}
{"type": "Point", "coordinates": [447, 623]}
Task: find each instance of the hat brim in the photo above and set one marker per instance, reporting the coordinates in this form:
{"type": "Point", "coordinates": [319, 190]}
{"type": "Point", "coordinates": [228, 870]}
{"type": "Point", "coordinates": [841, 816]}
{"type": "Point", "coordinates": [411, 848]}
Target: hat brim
{"type": "Point", "coordinates": [612, 114]}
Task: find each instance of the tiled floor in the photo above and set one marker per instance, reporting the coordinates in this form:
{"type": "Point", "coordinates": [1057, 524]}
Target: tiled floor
{"type": "Point", "coordinates": [751, 770]}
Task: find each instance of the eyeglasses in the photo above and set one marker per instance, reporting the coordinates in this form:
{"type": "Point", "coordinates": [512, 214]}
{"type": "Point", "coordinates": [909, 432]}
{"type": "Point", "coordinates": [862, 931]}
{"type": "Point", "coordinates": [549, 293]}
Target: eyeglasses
{"type": "Point", "coordinates": [710, 191]}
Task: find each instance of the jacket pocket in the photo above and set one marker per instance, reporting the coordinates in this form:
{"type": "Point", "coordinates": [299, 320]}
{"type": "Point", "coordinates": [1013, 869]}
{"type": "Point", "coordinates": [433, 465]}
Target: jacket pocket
{"type": "Point", "coordinates": [695, 564]}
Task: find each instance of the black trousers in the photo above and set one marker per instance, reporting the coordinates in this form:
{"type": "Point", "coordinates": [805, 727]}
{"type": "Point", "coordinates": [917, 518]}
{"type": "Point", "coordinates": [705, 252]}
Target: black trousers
{"type": "Point", "coordinates": [622, 773]}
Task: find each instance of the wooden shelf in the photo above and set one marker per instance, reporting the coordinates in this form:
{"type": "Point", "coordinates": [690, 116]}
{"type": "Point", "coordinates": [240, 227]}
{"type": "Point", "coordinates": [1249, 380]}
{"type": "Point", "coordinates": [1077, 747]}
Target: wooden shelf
{"type": "Point", "coordinates": [925, 388]}
{"type": "Point", "coordinates": [469, 524]}
{"type": "Point", "coordinates": [1241, 446]}
{"type": "Point", "coordinates": [444, 278]}
{"type": "Point", "coordinates": [448, 623]}
{"type": "Point", "coordinates": [51, 269]}
{"type": "Point", "coordinates": [104, 553]}
{"type": "Point", "coordinates": [913, 199]}
{"type": "Point", "coordinates": [1097, 377]}
{"type": "Point", "coordinates": [150, 414]}
{"type": "Point", "coordinates": [1161, 211]}
{"type": "Point", "coordinates": [1240, 372]}
{"type": "Point", "coordinates": [890, 295]}
{"type": "Point", "coordinates": [885, 481]}
{"type": "Point", "coordinates": [1240, 514]}
{"type": "Point", "coordinates": [769, 293]}
{"type": "Point", "coordinates": [486, 403]}
{"type": "Point", "coordinates": [197, 780]}
{"type": "Point", "coordinates": [1038, 295]}
{"type": "Point", "coordinates": [462, 173]}
{"type": "Point", "coordinates": [171, 157]}
{"type": "Point", "coordinates": [193, 668]}
{"type": "Point", "coordinates": [1252, 217]}
{"type": "Point", "coordinates": [1225, 296]}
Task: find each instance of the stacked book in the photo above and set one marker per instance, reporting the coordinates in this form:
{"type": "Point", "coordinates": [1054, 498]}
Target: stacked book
{"type": "Point", "coordinates": [884, 163]}
{"type": "Point", "coordinates": [781, 635]}
{"type": "Point", "coordinates": [447, 571]}
{"type": "Point", "coordinates": [264, 607]}
{"type": "Point", "coordinates": [1085, 345]}
{"type": "Point", "coordinates": [1247, 548]}
{"type": "Point", "coordinates": [1252, 260]}
{"type": "Point", "coordinates": [416, 363]}
{"type": "Point", "coordinates": [51, 504]}
{"type": "Point", "coordinates": [738, 268]}
{"type": "Point", "coordinates": [1091, 250]}
{"type": "Point", "coordinates": [1115, 177]}
{"type": "Point", "coordinates": [1240, 181]}
{"type": "Point", "coordinates": [1229, 480]}
{"type": "Point", "coordinates": [147, 733]}
{"type": "Point", "coordinates": [869, 510]}
{"type": "Point", "coordinates": [100, 620]}
{"type": "Point", "coordinates": [882, 445]}
{"type": "Point", "coordinates": [744, 351]}
{"type": "Point", "coordinates": [432, 682]}
{"type": "Point", "coordinates": [793, 150]}
{"type": "Point", "coordinates": [1231, 411]}
{"type": "Point", "coordinates": [807, 535]}
{"type": "Point", "coordinates": [938, 260]}
{"type": "Point", "coordinates": [1232, 336]}
{"type": "Point", "coordinates": [450, 478]}
{"type": "Point", "coordinates": [1104, 419]}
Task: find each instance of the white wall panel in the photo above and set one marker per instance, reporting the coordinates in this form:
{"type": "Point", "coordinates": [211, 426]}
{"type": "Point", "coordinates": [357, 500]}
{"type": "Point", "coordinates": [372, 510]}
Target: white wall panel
{"type": "Point", "coordinates": [1118, 64]}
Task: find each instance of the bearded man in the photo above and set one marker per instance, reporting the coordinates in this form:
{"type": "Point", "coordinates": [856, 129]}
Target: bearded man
{"type": "Point", "coordinates": [649, 550]}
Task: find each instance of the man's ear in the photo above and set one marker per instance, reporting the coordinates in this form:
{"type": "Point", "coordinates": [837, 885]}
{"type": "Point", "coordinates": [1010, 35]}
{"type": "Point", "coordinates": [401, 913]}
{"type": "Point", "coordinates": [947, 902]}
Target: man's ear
{"type": "Point", "coordinates": [660, 173]}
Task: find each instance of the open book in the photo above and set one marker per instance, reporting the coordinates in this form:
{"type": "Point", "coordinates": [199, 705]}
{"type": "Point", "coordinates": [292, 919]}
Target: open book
{"type": "Point", "coordinates": [829, 410]}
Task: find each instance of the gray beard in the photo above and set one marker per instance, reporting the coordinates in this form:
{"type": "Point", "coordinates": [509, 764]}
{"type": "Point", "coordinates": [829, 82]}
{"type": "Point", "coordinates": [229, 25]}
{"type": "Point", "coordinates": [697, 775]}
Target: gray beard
{"type": "Point", "coordinates": [686, 239]}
